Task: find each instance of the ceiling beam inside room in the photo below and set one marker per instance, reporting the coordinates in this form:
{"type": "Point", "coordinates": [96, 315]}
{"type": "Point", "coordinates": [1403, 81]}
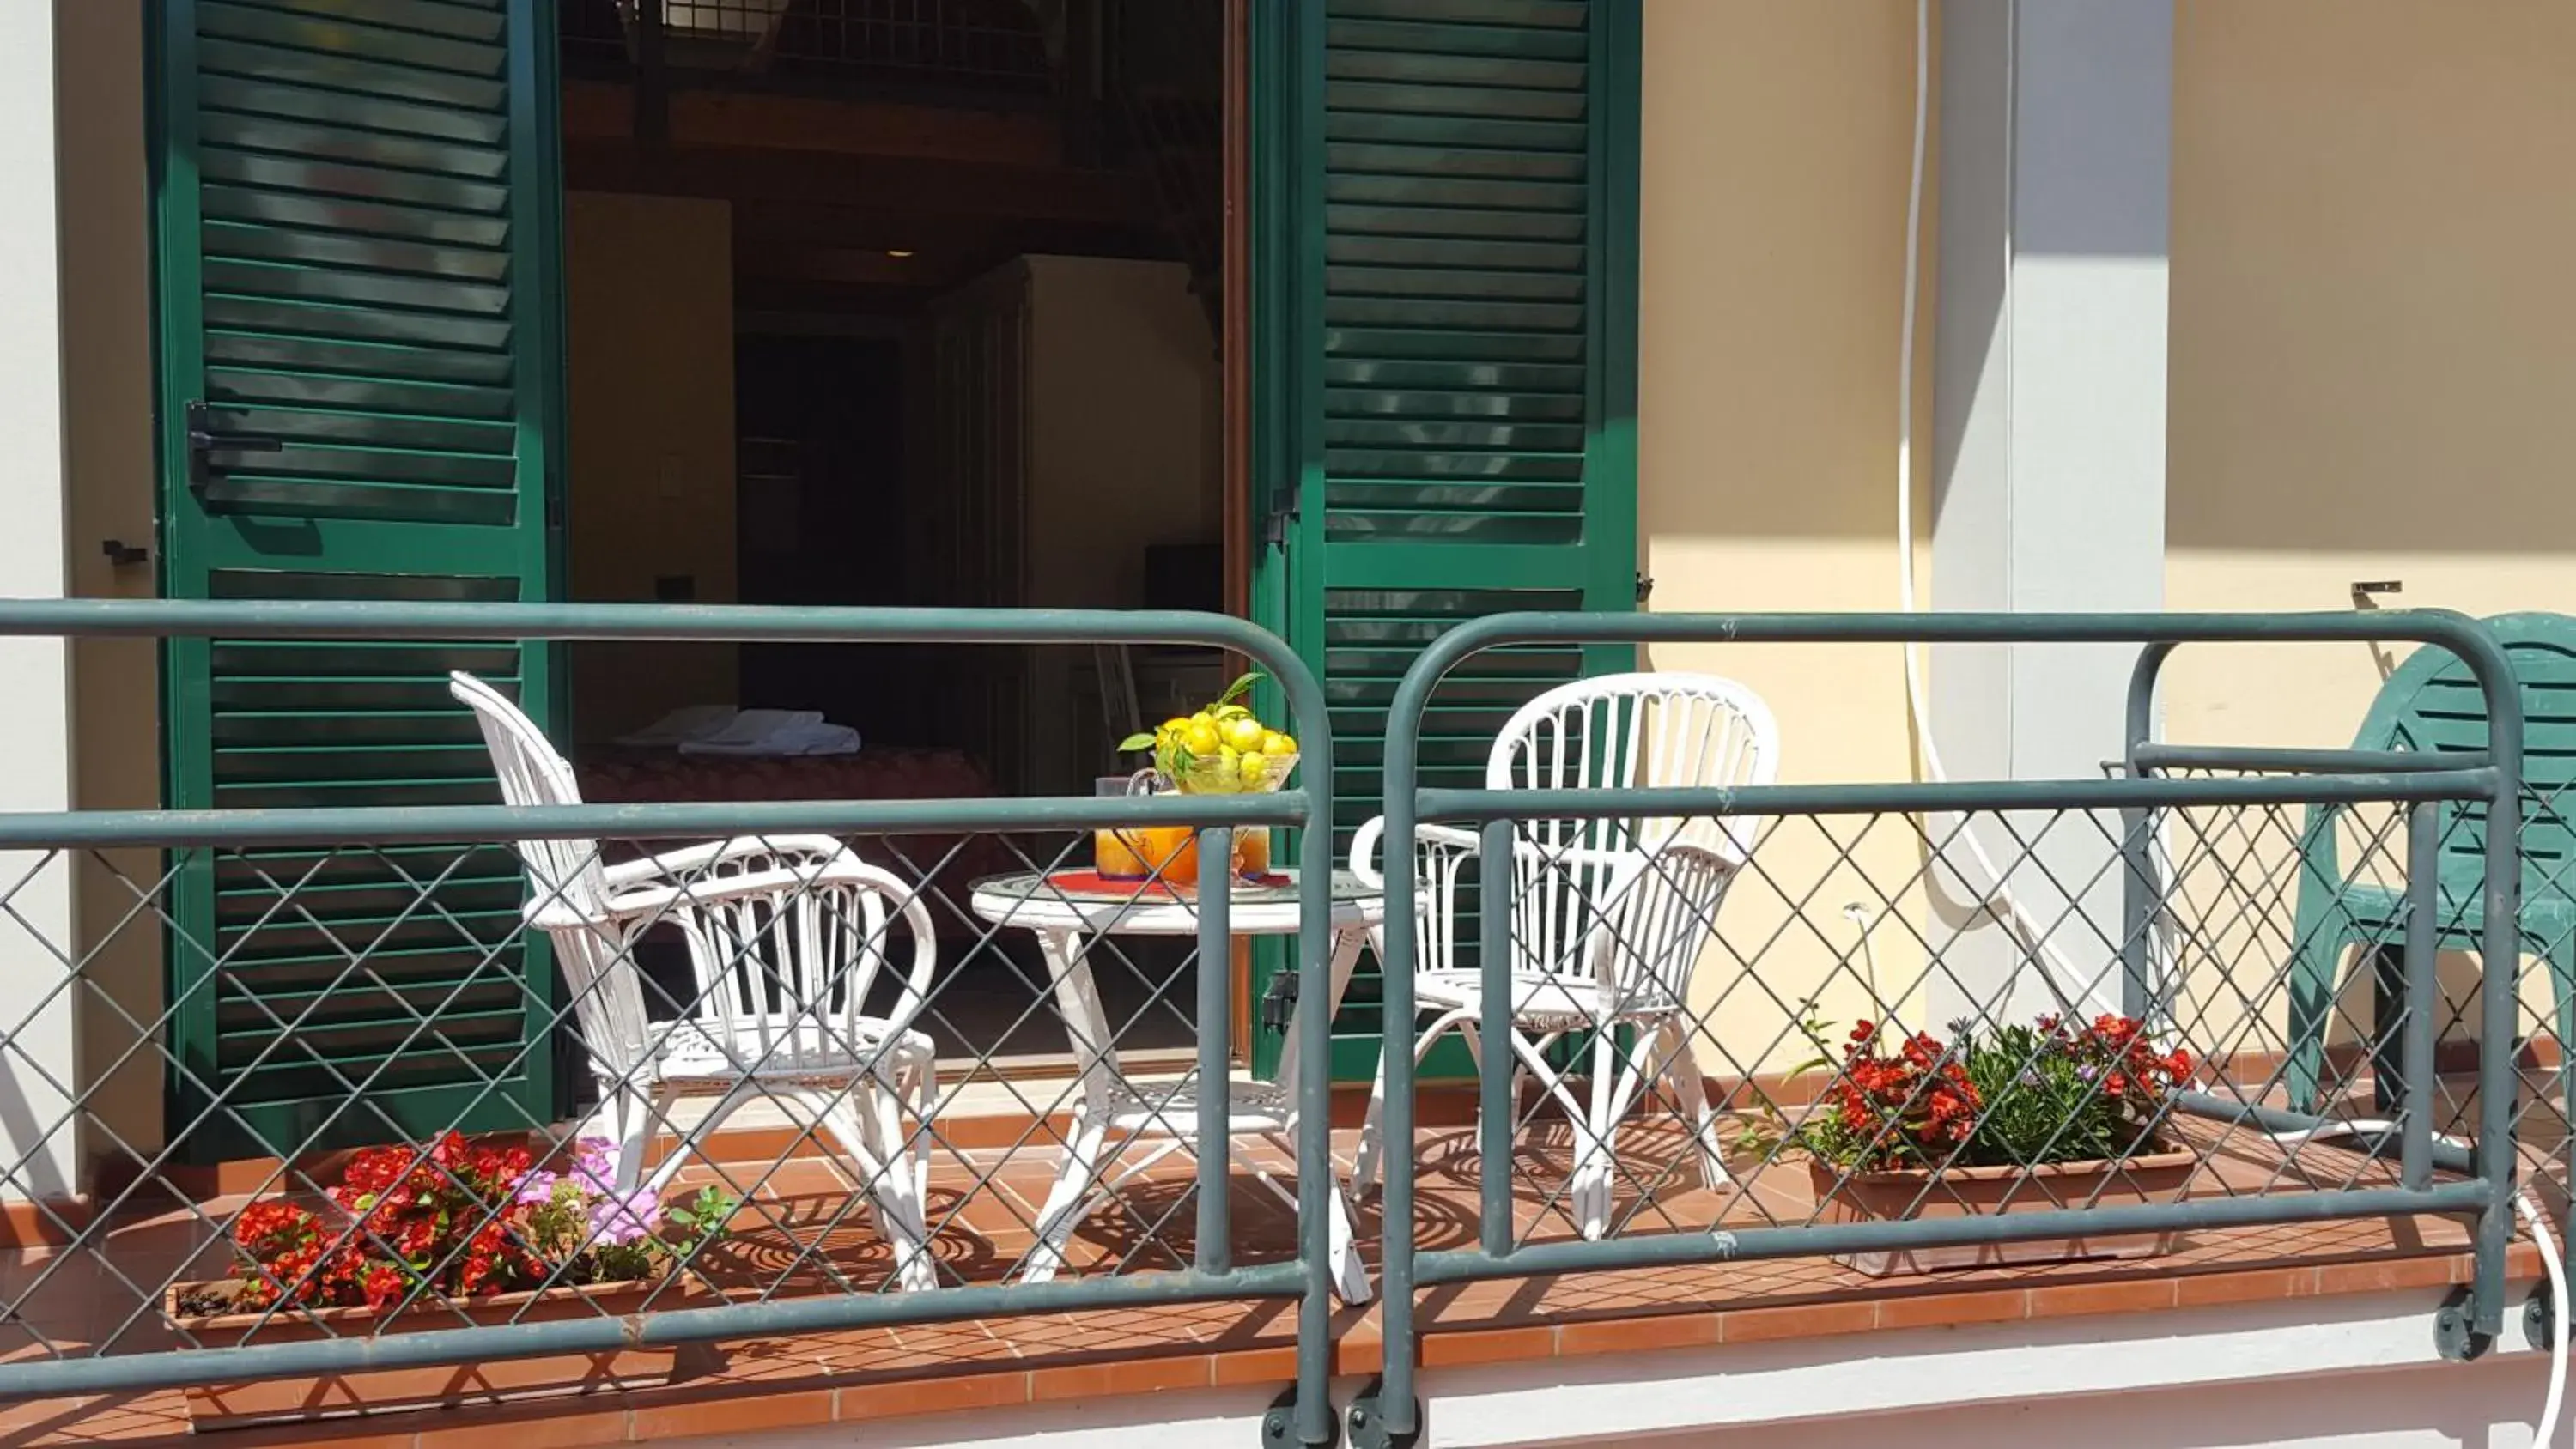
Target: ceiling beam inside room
{"type": "Point", "coordinates": [936, 188]}
{"type": "Point", "coordinates": [863, 205]}
{"type": "Point", "coordinates": [1013, 136]}
{"type": "Point", "coordinates": [791, 224]}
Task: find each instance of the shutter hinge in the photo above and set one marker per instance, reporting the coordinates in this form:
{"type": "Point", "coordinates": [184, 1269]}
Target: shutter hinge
{"type": "Point", "coordinates": [1276, 524]}
{"type": "Point", "coordinates": [205, 441]}
{"type": "Point", "coordinates": [1645, 587]}
{"type": "Point", "coordinates": [1279, 1003]}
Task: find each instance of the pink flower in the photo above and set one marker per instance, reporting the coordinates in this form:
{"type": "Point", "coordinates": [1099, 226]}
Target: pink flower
{"type": "Point", "coordinates": [619, 1221]}
{"type": "Point", "coordinates": [595, 1158]}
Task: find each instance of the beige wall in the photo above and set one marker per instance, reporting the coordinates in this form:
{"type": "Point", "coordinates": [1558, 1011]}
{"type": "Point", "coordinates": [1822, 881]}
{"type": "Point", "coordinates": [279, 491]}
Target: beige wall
{"type": "Point", "coordinates": [110, 478]}
{"type": "Point", "coordinates": [1121, 437]}
{"type": "Point", "coordinates": [2374, 331]}
{"type": "Point", "coordinates": [650, 488]}
{"type": "Point", "coordinates": [1120, 372]}
{"type": "Point", "coordinates": [2373, 335]}
{"type": "Point", "coordinates": [1776, 146]}
{"type": "Point", "coordinates": [2373, 338]}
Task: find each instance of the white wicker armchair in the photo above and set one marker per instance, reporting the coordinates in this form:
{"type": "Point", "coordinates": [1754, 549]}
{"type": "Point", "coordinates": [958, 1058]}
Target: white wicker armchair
{"type": "Point", "coordinates": [786, 938]}
{"type": "Point", "coordinates": [1609, 917]}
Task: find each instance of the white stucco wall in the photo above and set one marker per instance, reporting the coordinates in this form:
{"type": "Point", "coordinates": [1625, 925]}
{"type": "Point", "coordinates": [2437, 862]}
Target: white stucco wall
{"type": "Point", "coordinates": [2354, 1373]}
{"type": "Point", "coordinates": [35, 674]}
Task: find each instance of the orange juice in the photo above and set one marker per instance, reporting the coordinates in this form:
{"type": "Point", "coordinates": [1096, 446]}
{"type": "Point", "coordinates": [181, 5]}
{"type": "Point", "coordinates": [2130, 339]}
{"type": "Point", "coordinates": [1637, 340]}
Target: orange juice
{"type": "Point", "coordinates": [1114, 854]}
{"type": "Point", "coordinates": [1252, 851]}
{"type": "Point", "coordinates": [1170, 853]}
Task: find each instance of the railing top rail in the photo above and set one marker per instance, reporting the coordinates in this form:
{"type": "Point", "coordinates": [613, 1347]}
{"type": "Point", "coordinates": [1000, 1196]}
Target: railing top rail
{"type": "Point", "coordinates": [2476, 783]}
{"type": "Point", "coordinates": [2444, 626]}
{"type": "Point", "coordinates": [2462, 635]}
{"type": "Point", "coordinates": [705, 623]}
{"type": "Point", "coordinates": [2152, 756]}
{"type": "Point", "coordinates": [676, 820]}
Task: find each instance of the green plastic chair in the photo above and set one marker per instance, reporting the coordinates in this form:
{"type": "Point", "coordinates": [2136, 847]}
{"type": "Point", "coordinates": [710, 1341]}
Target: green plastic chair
{"type": "Point", "coordinates": [2431, 702]}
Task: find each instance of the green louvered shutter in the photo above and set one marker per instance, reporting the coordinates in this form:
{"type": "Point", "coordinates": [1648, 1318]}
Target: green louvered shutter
{"type": "Point", "coordinates": [1445, 320]}
{"type": "Point", "coordinates": [357, 214]}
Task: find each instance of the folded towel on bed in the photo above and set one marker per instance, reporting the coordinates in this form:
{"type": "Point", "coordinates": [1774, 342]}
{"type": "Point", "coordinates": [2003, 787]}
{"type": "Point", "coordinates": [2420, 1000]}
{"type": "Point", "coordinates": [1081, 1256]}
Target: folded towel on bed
{"type": "Point", "coordinates": [777, 732]}
{"type": "Point", "coordinates": [697, 722]}
{"type": "Point", "coordinates": [714, 729]}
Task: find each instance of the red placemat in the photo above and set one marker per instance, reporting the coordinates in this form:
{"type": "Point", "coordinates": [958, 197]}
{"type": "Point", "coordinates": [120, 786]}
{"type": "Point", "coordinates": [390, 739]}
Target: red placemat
{"type": "Point", "coordinates": [1093, 883]}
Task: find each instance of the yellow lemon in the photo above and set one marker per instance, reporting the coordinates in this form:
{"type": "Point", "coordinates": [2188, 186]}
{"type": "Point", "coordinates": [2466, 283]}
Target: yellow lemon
{"type": "Point", "coordinates": [1199, 737]}
{"type": "Point", "coordinates": [1276, 744]}
{"type": "Point", "coordinates": [1256, 769]}
{"type": "Point", "coordinates": [1173, 726]}
{"type": "Point", "coordinates": [1245, 734]}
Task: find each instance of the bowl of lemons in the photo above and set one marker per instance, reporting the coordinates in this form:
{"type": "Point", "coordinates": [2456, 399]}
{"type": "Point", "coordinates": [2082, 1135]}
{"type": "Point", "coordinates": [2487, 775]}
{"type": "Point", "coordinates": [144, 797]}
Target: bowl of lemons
{"type": "Point", "coordinates": [1223, 749]}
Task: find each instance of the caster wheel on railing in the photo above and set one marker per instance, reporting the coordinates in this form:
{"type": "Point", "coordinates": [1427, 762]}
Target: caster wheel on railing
{"type": "Point", "coordinates": [1368, 1429]}
{"type": "Point", "coordinates": [1279, 1426]}
{"type": "Point", "coordinates": [2539, 1318]}
{"type": "Point", "coordinates": [2456, 1336]}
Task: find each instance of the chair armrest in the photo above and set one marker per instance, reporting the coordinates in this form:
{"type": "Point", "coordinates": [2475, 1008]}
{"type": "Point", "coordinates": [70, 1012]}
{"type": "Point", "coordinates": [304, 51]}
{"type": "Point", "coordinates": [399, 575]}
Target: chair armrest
{"type": "Point", "coordinates": [1366, 841]}
{"type": "Point", "coordinates": [781, 881]}
{"type": "Point", "coordinates": [704, 857]}
{"type": "Point", "coordinates": [1364, 846]}
{"type": "Point", "coordinates": [635, 908]}
{"type": "Point", "coordinates": [2320, 851]}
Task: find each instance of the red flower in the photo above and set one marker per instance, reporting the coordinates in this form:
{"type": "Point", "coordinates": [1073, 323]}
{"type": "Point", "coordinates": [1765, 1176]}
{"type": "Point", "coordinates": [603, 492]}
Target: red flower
{"type": "Point", "coordinates": [1910, 1107]}
{"type": "Point", "coordinates": [383, 1287]}
{"type": "Point", "coordinates": [434, 1223]}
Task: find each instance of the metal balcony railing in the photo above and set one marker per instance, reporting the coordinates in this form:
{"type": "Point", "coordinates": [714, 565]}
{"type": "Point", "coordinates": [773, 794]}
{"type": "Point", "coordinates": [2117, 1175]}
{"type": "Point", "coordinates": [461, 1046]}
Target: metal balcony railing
{"type": "Point", "coordinates": [348, 1088]}
{"type": "Point", "coordinates": [2114, 1051]}
{"type": "Point", "coordinates": [395, 976]}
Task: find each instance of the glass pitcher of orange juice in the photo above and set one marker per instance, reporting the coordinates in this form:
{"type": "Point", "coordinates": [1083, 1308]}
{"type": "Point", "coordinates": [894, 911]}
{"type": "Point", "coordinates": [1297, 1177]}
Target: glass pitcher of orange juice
{"type": "Point", "coordinates": [1121, 854]}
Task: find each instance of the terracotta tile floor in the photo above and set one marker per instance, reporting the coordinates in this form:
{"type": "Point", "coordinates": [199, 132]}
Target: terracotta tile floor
{"type": "Point", "coordinates": [797, 1236]}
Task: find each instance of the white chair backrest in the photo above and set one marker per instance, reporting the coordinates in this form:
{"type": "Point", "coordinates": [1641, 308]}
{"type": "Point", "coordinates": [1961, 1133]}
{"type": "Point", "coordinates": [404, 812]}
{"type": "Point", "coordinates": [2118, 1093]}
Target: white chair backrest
{"type": "Point", "coordinates": [566, 885]}
{"type": "Point", "coordinates": [561, 872]}
{"type": "Point", "coordinates": [785, 974]}
{"type": "Point", "coordinates": [1607, 900]}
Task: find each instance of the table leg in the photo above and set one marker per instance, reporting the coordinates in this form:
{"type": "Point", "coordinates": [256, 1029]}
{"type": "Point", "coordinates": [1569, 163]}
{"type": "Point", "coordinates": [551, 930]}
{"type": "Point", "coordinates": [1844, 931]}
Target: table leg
{"type": "Point", "coordinates": [1346, 959]}
{"type": "Point", "coordinates": [1350, 1275]}
{"type": "Point", "coordinates": [1086, 1024]}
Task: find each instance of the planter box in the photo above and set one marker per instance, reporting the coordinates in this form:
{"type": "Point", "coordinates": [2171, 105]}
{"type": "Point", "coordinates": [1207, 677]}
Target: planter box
{"type": "Point", "coordinates": [1981, 1191]}
{"type": "Point", "coordinates": [394, 1390]}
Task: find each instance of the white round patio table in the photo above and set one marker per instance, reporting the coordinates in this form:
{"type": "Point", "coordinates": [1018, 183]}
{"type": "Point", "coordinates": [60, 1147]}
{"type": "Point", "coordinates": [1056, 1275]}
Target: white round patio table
{"type": "Point", "coordinates": [1112, 1111]}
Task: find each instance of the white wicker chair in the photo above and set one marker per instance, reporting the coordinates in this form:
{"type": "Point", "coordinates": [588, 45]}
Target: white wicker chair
{"type": "Point", "coordinates": [1609, 917]}
{"type": "Point", "coordinates": [786, 935]}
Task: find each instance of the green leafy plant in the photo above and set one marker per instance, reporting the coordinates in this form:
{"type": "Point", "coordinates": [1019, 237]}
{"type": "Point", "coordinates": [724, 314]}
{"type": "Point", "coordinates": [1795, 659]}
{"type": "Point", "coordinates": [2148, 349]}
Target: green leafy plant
{"type": "Point", "coordinates": [702, 1219]}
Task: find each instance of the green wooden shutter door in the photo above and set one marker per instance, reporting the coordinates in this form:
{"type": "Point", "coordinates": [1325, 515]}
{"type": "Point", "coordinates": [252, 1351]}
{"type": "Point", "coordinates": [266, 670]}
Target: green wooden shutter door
{"type": "Point", "coordinates": [1445, 311]}
{"type": "Point", "coordinates": [357, 204]}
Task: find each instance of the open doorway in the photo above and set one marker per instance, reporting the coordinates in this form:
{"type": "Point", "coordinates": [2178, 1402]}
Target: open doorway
{"type": "Point", "coordinates": [900, 302]}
